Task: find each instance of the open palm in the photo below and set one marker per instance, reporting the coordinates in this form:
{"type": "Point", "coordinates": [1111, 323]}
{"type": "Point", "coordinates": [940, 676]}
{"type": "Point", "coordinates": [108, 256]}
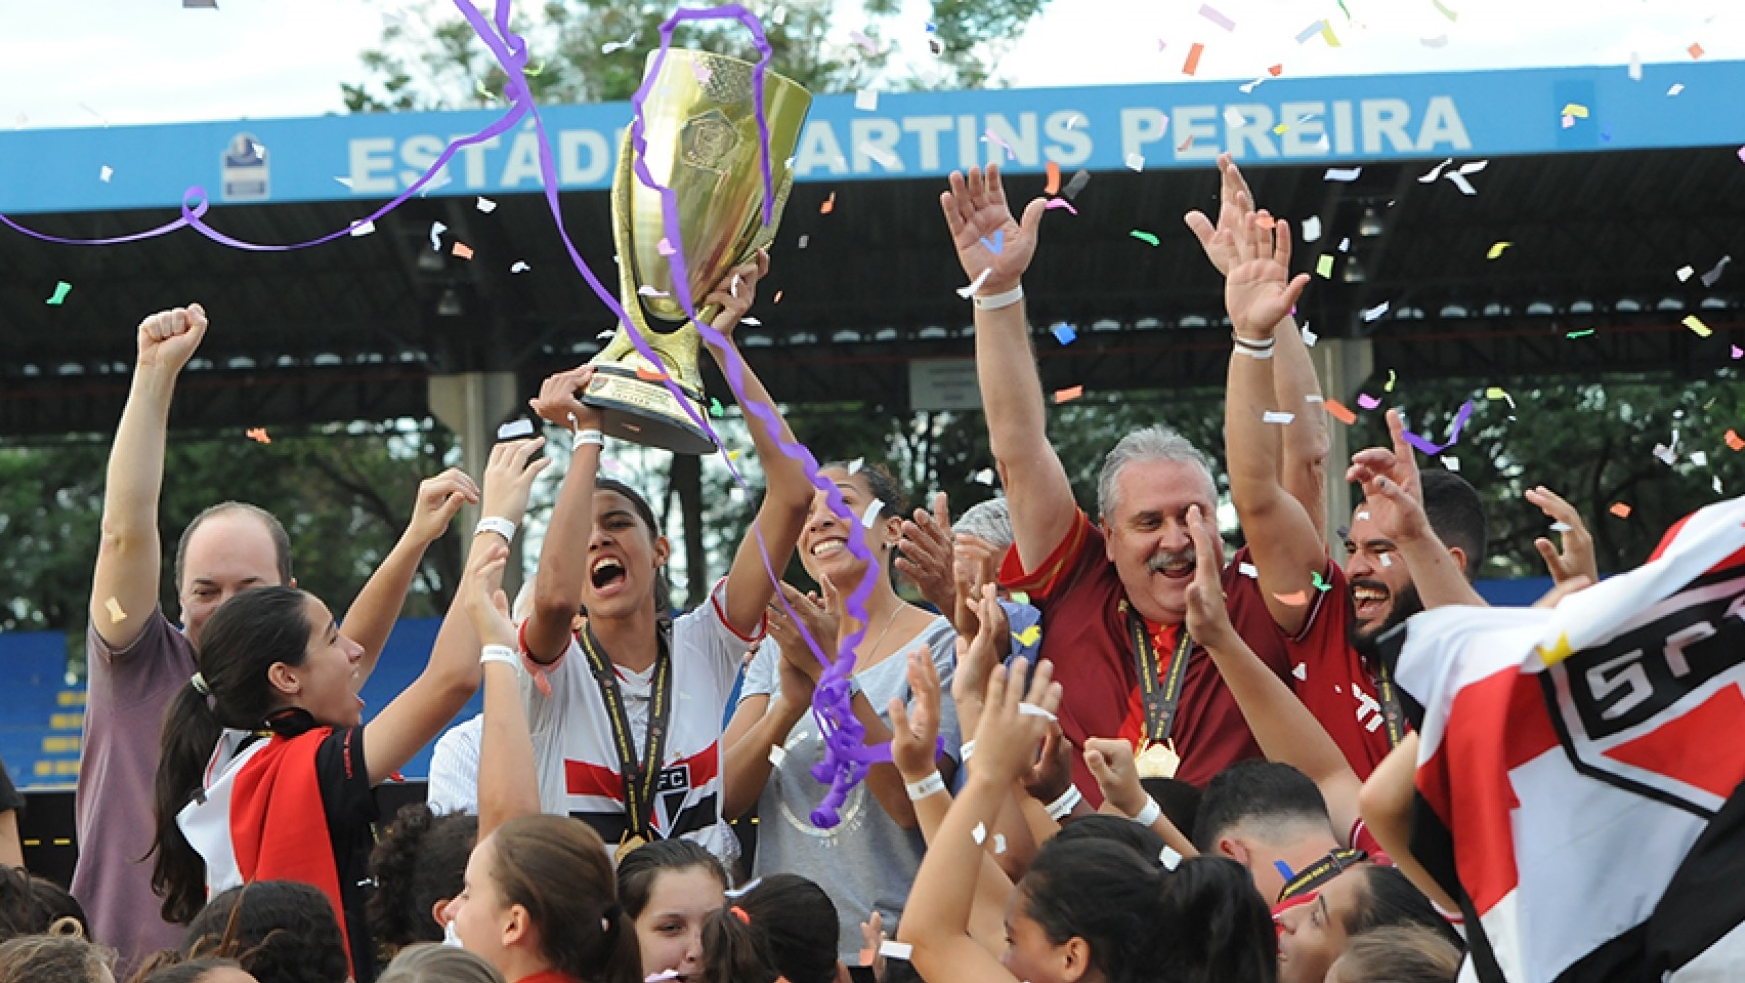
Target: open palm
{"type": "Point", "coordinates": [984, 232]}
{"type": "Point", "coordinates": [1258, 291]}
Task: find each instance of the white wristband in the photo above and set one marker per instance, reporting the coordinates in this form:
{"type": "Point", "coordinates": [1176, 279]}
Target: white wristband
{"type": "Point", "coordinates": [581, 437]}
{"type": "Point", "coordinates": [963, 753]}
{"type": "Point", "coordinates": [1258, 354]}
{"type": "Point", "coordinates": [927, 786]}
{"type": "Point", "coordinates": [497, 524]}
{"type": "Point", "coordinates": [1062, 807]}
{"type": "Point", "coordinates": [1149, 814]}
{"type": "Point", "coordinates": [994, 302]}
{"type": "Point", "coordinates": [499, 653]}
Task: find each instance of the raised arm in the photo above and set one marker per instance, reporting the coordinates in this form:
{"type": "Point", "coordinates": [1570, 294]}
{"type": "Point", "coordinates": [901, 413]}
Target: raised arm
{"type": "Point", "coordinates": [508, 780]}
{"type": "Point", "coordinates": [1036, 485]}
{"type": "Point", "coordinates": [1285, 729]}
{"type": "Point", "coordinates": [370, 620]}
{"type": "Point", "coordinates": [414, 718]}
{"type": "Point", "coordinates": [1288, 552]}
{"type": "Point", "coordinates": [787, 494]}
{"type": "Point", "coordinates": [129, 555]}
{"type": "Point", "coordinates": [563, 557]}
{"type": "Point", "coordinates": [1386, 801]}
{"type": "Point", "coordinates": [1395, 500]}
{"type": "Point", "coordinates": [1575, 557]}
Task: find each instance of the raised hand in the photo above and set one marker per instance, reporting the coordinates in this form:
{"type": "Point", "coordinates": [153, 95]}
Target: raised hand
{"type": "Point", "coordinates": [1258, 291]}
{"type": "Point", "coordinates": [979, 219]}
{"type": "Point", "coordinates": [509, 477]}
{"type": "Point", "coordinates": [1235, 204]}
{"type": "Point", "coordinates": [482, 592]}
{"type": "Point", "coordinates": [1393, 493]}
{"type": "Point", "coordinates": [1576, 558]}
{"type": "Point", "coordinates": [915, 731]}
{"type": "Point", "coordinates": [1008, 735]}
{"type": "Point", "coordinates": [821, 618]}
{"type": "Point", "coordinates": [1049, 778]}
{"type": "Point", "coordinates": [168, 339]}
{"type": "Point", "coordinates": [978, 655]}
{"type": "Point", "coordinates": [736, 291]}
{"type": "Point", "coordinates": [974, 562]}
{"type": "Point", "coordinates": [1111, 762]}
{"type": "Point", "coordinates": [927, 555]}
{"type": "Point", "coordinates": [559, 400]}
{"type": "Point", "coordinates": [439, 498]}
{"type": "Point", "coordinates": [1208, 616]}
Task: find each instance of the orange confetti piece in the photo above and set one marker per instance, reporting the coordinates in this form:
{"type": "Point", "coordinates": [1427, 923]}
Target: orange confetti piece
{"type": "Point", "coordinates": [829, 205]}
{"type": "Point", "coordinates": [647, 374]}
{"type": "Point", "coordinates": [463, 250]}
{"type": "Point", "coordinates": [1696, 51]}
{"type": "Point", "coordinates": [1295, 599]}
{"type": "Point", "coordinates": [1068, 395]}
{"type": "Point", "coordinates": [1276, 70]}
{"type": "Point", "coordinates": [1265, 221]}
{"type": "Point", "coordinates": [1053, 185]}
{"type": "Point", "coordinates": [1185, 144]}
{"type": "Point", "coordinates": [778, 298]}
{"type": "Point", "coordinates": [1339, 411]}
{"type": "Point", "coordinates": [1192, 65]}
{"type": "Point", "coordinates": [1735, 441]}
{"type": "Point", "coordinates": [1620, 510]}
{"type": "Point", "coordinates": [259, 435]}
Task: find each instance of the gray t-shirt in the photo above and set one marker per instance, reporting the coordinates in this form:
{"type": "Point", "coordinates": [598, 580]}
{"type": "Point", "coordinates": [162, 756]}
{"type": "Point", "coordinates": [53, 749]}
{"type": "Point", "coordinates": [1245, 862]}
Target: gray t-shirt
{"type": "Point", "coordinates": [867, 861]}
{"type": "Point", "coordinates": [125, 701]}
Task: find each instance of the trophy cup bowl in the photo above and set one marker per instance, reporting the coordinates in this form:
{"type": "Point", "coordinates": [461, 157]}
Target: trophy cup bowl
{"type": "Point", "coordinates": [700, 124]}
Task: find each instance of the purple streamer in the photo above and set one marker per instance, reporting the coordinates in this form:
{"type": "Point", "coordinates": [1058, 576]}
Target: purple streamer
{"type": "Point", "coordinates": [1426, 447]}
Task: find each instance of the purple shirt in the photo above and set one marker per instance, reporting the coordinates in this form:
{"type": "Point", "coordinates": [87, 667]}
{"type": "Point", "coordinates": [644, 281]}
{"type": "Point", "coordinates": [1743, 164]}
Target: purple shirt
{"type": "Point", "coordinates": [125, 700]}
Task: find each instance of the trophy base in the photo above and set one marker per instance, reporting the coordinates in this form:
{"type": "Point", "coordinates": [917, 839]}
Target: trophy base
{"type": "Point", "coordinates": [644, 412]}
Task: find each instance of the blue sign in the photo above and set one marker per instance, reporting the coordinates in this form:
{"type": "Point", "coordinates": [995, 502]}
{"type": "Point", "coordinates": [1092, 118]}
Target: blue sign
{"type": "Point", "coordinates": [1170, 125]}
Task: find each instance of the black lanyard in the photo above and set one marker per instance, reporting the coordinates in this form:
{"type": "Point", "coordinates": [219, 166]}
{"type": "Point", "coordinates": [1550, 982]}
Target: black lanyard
{"type": "Point", "coordinates": [1159, 697]}
{"type": "Point", "coordinates": [640, 777]}
{"type": "Point", "coordinates": [1392, 715]}
{"type": "Point", "coordinates": [1320, 872]}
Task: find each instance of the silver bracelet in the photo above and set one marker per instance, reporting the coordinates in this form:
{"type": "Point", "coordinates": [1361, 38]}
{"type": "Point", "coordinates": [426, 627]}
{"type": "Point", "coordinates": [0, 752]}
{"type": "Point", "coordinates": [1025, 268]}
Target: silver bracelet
{"type": "Point", "coordinates": [497, 524]}
{"type": "Point", "coordinates": [995, 302]}
{"type": "Point", "coordinates": [1149, 814]}
{"type": "Point", "coordinates": [927, 786]}
{"type": "Point", "coordinates": [499, 653]}
{"type": "Point", "coordinates": [1062, 807]}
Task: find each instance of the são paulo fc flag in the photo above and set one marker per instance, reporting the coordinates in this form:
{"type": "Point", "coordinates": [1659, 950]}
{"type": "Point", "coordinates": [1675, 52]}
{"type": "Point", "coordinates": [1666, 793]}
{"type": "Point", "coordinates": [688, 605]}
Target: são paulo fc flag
{"type": "Point", "coordinates": [1579, 769]}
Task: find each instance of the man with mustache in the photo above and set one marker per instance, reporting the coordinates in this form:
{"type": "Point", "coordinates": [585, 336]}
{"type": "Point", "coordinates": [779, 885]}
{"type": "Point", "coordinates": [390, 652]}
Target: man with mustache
{"type": "Point", "coordinates": [1112, 593]}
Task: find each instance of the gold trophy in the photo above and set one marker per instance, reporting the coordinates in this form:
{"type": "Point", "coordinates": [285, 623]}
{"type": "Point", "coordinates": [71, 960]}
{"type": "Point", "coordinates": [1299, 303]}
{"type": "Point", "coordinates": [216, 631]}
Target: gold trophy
{"type": "Point", "coordinates": [701, 126]}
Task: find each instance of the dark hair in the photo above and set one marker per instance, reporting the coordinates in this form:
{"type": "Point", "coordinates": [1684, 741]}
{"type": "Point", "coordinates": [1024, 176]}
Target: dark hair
{"type": "Point", "coordinates": [1399, 954]}
{"type": "Point", "coordinates": [663, 588]}
{"type": "Point", "coordinates": [280, 931]}
{"type": "Point", "coordinates": [1256, 791]}
{"type": "Point", "coordinates": [1179, 800]}
{"type": "Point", "coordinates": [168, 967]}
{"type": "Point", "coordinates": [52, 959]}
{"type": "Point", "coordinates": [421, 860]}
{"type": "Point", "coordinates": [558, 869]}
{"type": "Point", "coordinates": [430, 963]}
{"type": "Point", "coordinates": [241, 641]}
{"type": "Point", "coordinates": [32, 905]}
{"type": "Point", "coordinates": [1218, 927]}
{"type": "Point", "coordinates": [275, 529]}
{"type": "Point", "coordinates": [1101, 892]}
{"type": "Point", "coordinates": [1113, 829]}
{"type": "Point", "coordinates": [790, 928]}
{"type": "Point", "coordinates": [642, 866]}
{"type": "Point", "coordinates": [1389, 899]}
{"type": "Point", "coordinates": [1457, 516]}
{"type": "Point", "coordinates": [883, 485]}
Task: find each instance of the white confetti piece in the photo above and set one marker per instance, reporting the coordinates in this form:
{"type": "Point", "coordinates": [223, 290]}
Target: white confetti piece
{"type": "Point", "coordinates": [1685, 273]}
{"type": "Point", "coordinates": [1309, 337]}
{"type": "Point", "coordinates": [867, 100]}
{"type": "Point", "coordinates": [1439, 41]}
{"type": "Point", "coordinates": [1677, 87]}
{"type": "Point", "coordinates": [777, 755]}
{"type": "Point", "coordinates": [999, 843]}
{"type": "Point", "coordinates": [1169, 858]}
{"type": "Point", "coordinates": [1666, 454]}
{"type": "Point", "coordinates": [1386, 560]}
{"type": "Point", "coordinates": [804, 240]}
{"type": "Point", "coordinates": [969, 291]}
{"type": "Point", "coordinates": [895, 950]}
{"type": "Point", "coordinates": [751, 322]}
{"type": "Point", "coordinates": [1561, 527]}
{"type": "Point", "coordinates": [1452, 463]}
{"type": "Point", "coordinates": [1136, 162]}
{"type": "Point", "coordinates": [1276, 416]}
{"type": "Point", "coordinates": [1234, 117]}
{"type": "Point", "coordinates": [1459, 180]}
{"type": "Point", "coordinates": [1312, 228]}
{"type": "Point", "coordinates": [1430, 176]}
{"type": "Point", "coordinates": [650, 290]}
{"type": "Point", "coordinates": [1248, 570]}
{"type": "Point", "coordinates": [1714, 274]}
{"type": "Point", "coordinates": [886, 159]}
{"type": "Point", "coordinates": [436, 231]}
{"type": "Point", "coordinates": [1032, 710]}
{"type": "Point", "coordinates": [1363, 516]}
{"type": "Point", "coordinates": [1375, 313]}
{"type": "Point", "coordinates": [1301, 671]}
{"type": "Point", "coordinates": [514, 429]}
{"type": "Point", "coordinates": [106, 173]}
{"type": "Point", "coordinates": [519, 266]}
{"type": "Point", "coordinates": [1699, 458]}
{"type": "Point", "coordinates": [1343, 174]}
{"type": "Point", "coordinates": [485, 205]}
{"type": "Point", "coordinates": [979, 834]}
{"type": "Point", "coordinates": [871, 515]}
{"type": "Point", "coordinates": [364, 228]}
{"type": "Point", "coordinates": [985, 477]}
{"type": "Point", "coordinates": [1635, 66]}
{"type": "Point", "coordinates": [344, 180]}
{"type": "Point", "coordinates": [855, 465]}
{"type": "Point", "coordinates": [612, 46]}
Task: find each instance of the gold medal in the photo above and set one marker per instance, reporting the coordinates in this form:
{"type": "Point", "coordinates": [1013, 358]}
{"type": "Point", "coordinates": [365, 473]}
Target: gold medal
{"type": "Point", "coordinates": [1157, 760]}
{"type": "Point", "coordinates": [626, 846]}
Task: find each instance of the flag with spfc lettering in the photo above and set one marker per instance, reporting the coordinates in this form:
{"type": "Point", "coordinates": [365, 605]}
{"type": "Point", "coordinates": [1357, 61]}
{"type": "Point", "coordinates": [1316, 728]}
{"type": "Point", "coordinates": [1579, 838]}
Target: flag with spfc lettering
{"type": "Point", "coordinates": [1579, 769]}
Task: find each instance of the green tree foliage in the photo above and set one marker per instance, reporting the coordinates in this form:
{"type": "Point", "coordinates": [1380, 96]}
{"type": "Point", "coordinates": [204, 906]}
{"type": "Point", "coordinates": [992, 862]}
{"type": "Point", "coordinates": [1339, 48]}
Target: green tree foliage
{"type": "Point", "coordinates": [429, 58]}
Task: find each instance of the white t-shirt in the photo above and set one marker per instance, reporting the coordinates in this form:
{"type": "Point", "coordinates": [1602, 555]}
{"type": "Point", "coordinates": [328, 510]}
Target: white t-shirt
{"type": "Point", "coordinates": [577, 759]}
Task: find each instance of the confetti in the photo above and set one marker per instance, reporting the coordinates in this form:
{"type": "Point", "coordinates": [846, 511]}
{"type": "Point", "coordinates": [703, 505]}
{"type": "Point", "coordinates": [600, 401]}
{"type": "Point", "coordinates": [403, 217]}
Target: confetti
{"type": "Point", "coordinates": [1145, 237]}
{"type": "Point", "coordinates": [1054, 203]}
{"type": "Point", "coordinates": [1430, 176]}
{"type": "Point", "coordinates": [1342, 174]}
{"type": "Point", "coordinates": [1439, 41]}
{"type": "Point", "coordinates": [1367, 401]}
{"type": "Point", "coordinates": [1324, 266]}
{"type": "Point", "coordinates": [664, 247]}
{"type": "Point", "coordinates": [777, 755]}
{"type": "Point", "coordinates": [979, 834]}
{"type": "Point", "coordinates": [829, 205]}
{"type": "Point", "coordinates": [462, 250]}
{"type": "Point", "coordinates": [1738, 352]}
{"type": "Point", "coordinates": [519, 266]}
{"type": "Point", "coordinates": [612, 46]}
{"type": "Point", "coordinates": [1169, 859]}
{"type": "Point", "coordinates": [1685, 273]}
{"type": "Point", "coordinates": [1309, 337]}
{"type": "Point", "coordinates": [999, 843]}
{"type": "Point", "coordinates": [1053, 186]}
{"type": "Point", "coordinates": [1579, 334]}
{"type": "Point", "coordinates": [1699, 458]}
{"type": "Point", "coordinates": [1248, 570]}
{"type": "Point", "coordinates": [1339, 411]}
{"type": "Point", "coordinates": [1451, 15]}
{"type": "Point", "coordinates": [1069, 394]}
{"type": "Point", "coordinates": [1032, 710]}
{"type": "Point", "coordinates": [1306, 33]}
{"type": "Point", "coordinates": [703, 72]}
{"type": "Point", "coordinates": [1064, 333]}
{"type": "Point", "coordinates": [997, 244]}
{"type": "Point", "coordinates": [1561, 527]}
{"type": "Point", "coordinates": [887, 160]}
{"type": "Point", "coordinates": [259, 435]}
{"type": "Point", "coordinates": [436, 231]}
{"type": "Point", "coordinates": [1311, 228]}
{"type": "Point", "coordinates": [1734, 441]}
{"type": "Point", "coordinates": [199, 4]}
{"type": "Point", "coordinates": [106, 173]}
{"type": "Point", "coordinates": [62, 288]}
{"type": "Point", "coordinates": [1635, 66]}
{"type": "Point", "coordinates": [777, 298]}
{"type": "Point", "coordinates": [855, 465]}
{"type": "Point", "coordinates": [804, 240]}
{"type": "Point", "coordinates": [514, 429]}
{"type": "Point", "coordinates": [1575, 109]}
{"type": "Point", "coordinates": [1665, 455]}
{"type": "Point", "coordinates": [1714, 275]}
{"type": "Point", "coordinates": [1498, 392]}
{"type": "Point", "coordinates": [1331, 38]}
{"type": "Point", "coordinates": [867, 101]}
{"type": "Point", "coordinates": [1276, 70]}
{"type": "Point", "coordinates": [1496, 249]}
{"type": "Point", "coordinates": [871, 515]}
{"type": "Point", "coordinates": [661, 977]}
{"type": "Point", "coordinates": [1301, 671]}
{"type": "Point", "coordinates": [985, 477]}
{"type": "Point", "coordinates": [896, 950]}
{"type": "Point", "coordinates": [1320, 584]}
{"type": "Point", "coordinates": [866, 44]}
{"type": "Point", "coordinates": [1136, 162]}
{"type": "Point", "coordinates": [976, 284]}
{"type": "Point", "coordinates": [1430, 449]}
{"type": "Point", "coordinates": [1696, 51]}
{"type": "Point", "coordinates": [650, 290]}
{"type": "Point", "coordinates": [1294, 599]}
{"type": "Point", "coordinates": [1077, 184]}
{"type": "Point", "coordinates": [1621, 510]}
{"type": "Point", "coordinates": [1208, 12]}
{"type": "Point", "coordinates": [716, 409]}
{"type": "Point", "coordinates": [994, 138]}
{"type": "Point", "coordinates": [1677, 87]}
{"type": "Point", "coordinates": [1275, 416]}
{"type": "Point", "coordinates": [116, 615]}
{"type": "Point", "coordinates": [1375, 313]}
{"type": "Point", "coordinates": [1233, 117]}
{"type": "Point", "coordinates": [1697, 326]}
{"type": "Point", "coordinates": [361, 229]}
{"type": "Point", "coordinates": [647, 374]}
{"type": "Point", "coordinates": [1192, 65]}
{"type": "Point", "coordinates": [1451, 463]}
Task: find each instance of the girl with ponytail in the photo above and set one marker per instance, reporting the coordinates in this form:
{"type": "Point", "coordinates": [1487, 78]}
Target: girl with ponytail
{"type": "Point", "coordinates": [287, 792]}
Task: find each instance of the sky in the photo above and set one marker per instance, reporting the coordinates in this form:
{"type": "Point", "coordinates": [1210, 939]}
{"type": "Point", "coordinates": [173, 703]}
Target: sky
{"type": "Point", "coordinates": [122, 62]}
